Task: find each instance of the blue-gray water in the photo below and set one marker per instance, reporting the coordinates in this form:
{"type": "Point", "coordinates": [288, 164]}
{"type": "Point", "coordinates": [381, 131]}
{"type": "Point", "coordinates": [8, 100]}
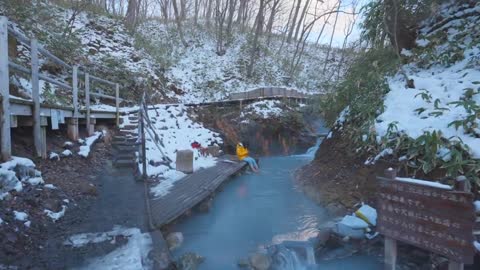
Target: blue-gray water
{"type": "Point", "coordinates": [255, 210]}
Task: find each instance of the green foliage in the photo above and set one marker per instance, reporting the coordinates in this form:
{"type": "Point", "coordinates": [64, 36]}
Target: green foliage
{"type": "Point", "coordinates": [362, 89]}
{"type": "Point", "coordinates": [408, 12]}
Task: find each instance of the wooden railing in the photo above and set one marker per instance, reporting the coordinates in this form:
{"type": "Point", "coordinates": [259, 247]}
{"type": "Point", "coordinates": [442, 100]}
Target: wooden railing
{"type": "Point", "coordinates": [268, 92]}
{"type": "Point", "coordinates": [35, 51]}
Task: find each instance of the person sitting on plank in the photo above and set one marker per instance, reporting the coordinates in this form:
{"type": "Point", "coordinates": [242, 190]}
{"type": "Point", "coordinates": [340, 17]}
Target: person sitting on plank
{"type": "Point", "coordinates": [242, 154]}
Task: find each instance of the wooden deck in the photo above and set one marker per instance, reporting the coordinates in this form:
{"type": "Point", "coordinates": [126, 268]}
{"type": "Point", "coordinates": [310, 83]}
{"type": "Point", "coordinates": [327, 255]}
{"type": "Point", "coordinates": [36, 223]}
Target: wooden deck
{"type": "Point", "coordinates": [190, 191]}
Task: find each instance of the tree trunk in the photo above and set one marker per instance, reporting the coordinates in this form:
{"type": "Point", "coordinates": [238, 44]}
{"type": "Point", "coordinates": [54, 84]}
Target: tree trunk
{"type": "Point", "coordinates": [271, 20]}
{"type": "Point", "coordinates": [302, 17]}
{"type": "Point", "coordinates": [331, 38]}
{"type": "Point", "coordinates": [197, 10]}
{"type": "Point", "coordinates": [231, 14]}
{"type": "Point", "coordinates": [179, 23]}
{"type": "Point", "coordinates": [131, 15]}
{"type": "Point", "coordinates": [294, 21]}
{"type": "Point", "coordinates": [258, 32]}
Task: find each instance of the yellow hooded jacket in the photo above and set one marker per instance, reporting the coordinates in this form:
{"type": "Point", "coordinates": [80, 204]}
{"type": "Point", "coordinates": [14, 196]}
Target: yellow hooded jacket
{"type": "Point", "coordinates": [242, 152]}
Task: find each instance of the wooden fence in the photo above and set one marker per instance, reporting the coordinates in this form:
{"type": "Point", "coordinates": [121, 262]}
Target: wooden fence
{"type": "Point", "coordinates": [33, 108]}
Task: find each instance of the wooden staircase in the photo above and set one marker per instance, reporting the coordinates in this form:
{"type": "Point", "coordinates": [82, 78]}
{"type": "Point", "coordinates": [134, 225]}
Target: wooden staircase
{"type": "Point", "coordinates": [125, 144]}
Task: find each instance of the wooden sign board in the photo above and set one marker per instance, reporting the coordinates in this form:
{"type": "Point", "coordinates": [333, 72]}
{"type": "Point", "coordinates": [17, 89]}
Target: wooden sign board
{"type": "Point", "coordinates": [428, 217]}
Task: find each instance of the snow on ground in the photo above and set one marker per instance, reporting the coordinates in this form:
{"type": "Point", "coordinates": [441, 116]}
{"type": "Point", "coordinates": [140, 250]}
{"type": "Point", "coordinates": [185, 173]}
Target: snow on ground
{"type": "Point", "coordinates": [88, 142]}
{"type": "Point", "coordinates": [21, 216]}
{"type": "Point", "coordinates": [203, 75]}
{"type": "Point", "coordinates": [16, 171]}
{"type": "Point", "coordinates": [263, 109]}
{"type": "Point", "coordinates": [477, 206]}
{"type": "Point", "coordinates": [176, 131]}
{"type": "Point", "coordinates": [66, 153]}
{"type": "Point", "coordinates": [132, 255]}
{"type": "Point", "coordinates": [56, 215]}
{"type": "Point", "coordinates": [447, 90]}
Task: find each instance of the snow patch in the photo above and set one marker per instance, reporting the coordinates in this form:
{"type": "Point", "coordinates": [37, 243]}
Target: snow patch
{"type": "Point", "coordinates": [424, 183]}
{"type": "Point", "coordinates": [85, 149]}
{"type": "Point", "coordinates": [131, 256]}
{"type": "Point", "coordinates": [264, 109]}
{"type": "Point", "coordinates": [56, 215]}
{"type": "Point", "coordinates": [67, 153]}
{"type": "Point", "coordinates": [21, 216]}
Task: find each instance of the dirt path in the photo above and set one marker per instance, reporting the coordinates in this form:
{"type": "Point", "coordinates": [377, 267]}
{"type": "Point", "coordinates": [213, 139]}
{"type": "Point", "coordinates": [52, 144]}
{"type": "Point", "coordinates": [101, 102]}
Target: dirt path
{"type": "Point", "coordinates": [120, 201]}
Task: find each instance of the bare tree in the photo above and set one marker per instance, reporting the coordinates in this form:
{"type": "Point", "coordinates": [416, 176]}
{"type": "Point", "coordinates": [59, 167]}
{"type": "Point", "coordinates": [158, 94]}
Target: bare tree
{"type": "Point", "coordinates": [294, 21]}
{"type": "Point", "coordinates": [132, 12]}
{"type": "Point", "coordinates": [179, 23]}
{"type": "Point", "coordinates": [221, 7]}
{"type": "Point", "coordinates": [271, 19]}
{"type": "Point", "coordinates": [231, 14]}
{"type": "Point", "coordinates": [331, 37]}
{"type": "Point", "coordinates": [302, 17]}
{"type": "Point", "coordinates": [347, 31]}
{"type": "Point", "coordinates": [256, 37]}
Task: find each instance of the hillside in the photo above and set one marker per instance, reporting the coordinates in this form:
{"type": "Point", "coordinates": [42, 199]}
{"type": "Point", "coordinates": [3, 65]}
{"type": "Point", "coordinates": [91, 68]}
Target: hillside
{"type": "Point", "coordinates": [426, 128]}
{"type": "Point", "coordinates": [154, 59]}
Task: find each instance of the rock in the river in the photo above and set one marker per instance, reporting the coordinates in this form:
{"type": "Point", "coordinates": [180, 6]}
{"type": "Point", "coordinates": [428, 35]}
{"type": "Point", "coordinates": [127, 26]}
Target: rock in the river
{"type": "Point", "coordinates": [260, 261]}
{"type": "Point", "coordinates": [205, 206]}
{"type": "Point", "coordinates": [174, 240]}
{"type": "Point", "coordinates": [243, 263]}
{"type": "Point", "coordinates": [322, 237]}
{"type": "Point", "coordinates": [189, 261]}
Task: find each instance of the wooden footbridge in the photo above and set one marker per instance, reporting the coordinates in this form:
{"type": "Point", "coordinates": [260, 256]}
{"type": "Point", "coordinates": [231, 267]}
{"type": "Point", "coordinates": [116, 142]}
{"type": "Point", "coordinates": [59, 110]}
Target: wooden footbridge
{"type": "Point", "coordinates": [16, 112]}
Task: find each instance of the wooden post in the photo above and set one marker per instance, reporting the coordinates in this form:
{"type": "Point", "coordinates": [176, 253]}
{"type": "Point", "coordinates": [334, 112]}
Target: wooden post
{"type": "Point", "coordinates": [6, 140]}
{"type": "Point", "coordinates": [37, 132]}
{"type": "Point", "coordinates": [75, 91]}
{"type": "Point", "coordinates": [144, 148]}
{"type": "Point", "coordinates": [72, 125]}
{"type": "Point", "coordinates": [390, 244]}
{"type": "Point", "coordinates": [43, 137]}
{"type": "Point", "coordinates": [117, 103]}
{"type": "Point", "coordinates": [72, 128]}
{"type": "Point", "coordinates": [460, 185]}
{"type": "Point", "coordinates": [87, 104]}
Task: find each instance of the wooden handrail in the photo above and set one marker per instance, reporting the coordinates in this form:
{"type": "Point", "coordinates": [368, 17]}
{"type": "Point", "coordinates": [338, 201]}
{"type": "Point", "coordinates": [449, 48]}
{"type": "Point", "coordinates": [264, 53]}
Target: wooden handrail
{"type": "Point", "coordinates": [36, 50]}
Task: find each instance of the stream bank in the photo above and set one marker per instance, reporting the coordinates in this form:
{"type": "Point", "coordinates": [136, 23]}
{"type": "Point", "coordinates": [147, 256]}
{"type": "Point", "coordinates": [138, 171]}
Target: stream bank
{"type": "Point", "coordinates": [269, 127]}
{"type": "Point", "coordinates": [338, 178]}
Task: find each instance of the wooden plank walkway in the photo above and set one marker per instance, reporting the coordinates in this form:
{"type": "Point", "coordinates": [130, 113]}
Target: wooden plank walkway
{"type": "Point", "coordinates": [191, 190]}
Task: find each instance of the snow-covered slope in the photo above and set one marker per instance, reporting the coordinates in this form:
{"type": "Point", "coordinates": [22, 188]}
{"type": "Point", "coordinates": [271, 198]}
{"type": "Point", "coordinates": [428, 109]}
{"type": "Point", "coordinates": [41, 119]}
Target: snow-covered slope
{"type": "Point", "coordinates": [155, 59]}
{"type": "Point", "coordinates": [446, 71]}
{"type": "Point", "coordinates": [199, 74]}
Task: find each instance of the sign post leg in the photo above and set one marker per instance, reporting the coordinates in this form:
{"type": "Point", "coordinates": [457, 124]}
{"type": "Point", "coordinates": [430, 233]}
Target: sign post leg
{"type": "Point", "coordinates": [390, 253]}
{"type": "Point", "coordinates": [455, 266]}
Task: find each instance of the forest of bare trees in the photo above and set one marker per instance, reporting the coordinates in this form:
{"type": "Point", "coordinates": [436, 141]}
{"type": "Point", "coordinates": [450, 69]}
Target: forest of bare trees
{"type": "Point", "coordinates": [293, 23]}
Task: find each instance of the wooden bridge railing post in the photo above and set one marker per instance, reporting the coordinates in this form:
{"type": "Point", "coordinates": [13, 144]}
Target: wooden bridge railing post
{"type": "Point", "coordinates": [6, 143]}
{"type": "Point", "coordinates": [73, 122]}
{"type": "Point", "coordinates": [87, 105]}
{"type": "Point", "coordinates": [117, 104]}
{"type": "Point", "coordinates": [38, 139]}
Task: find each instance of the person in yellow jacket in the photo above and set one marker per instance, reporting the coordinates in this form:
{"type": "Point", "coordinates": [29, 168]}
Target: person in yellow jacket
{"type": "Point", "coordinates": [242, 154]}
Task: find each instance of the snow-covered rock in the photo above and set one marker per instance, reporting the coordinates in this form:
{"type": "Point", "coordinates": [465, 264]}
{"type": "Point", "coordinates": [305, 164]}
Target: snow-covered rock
{"type": "Point", "coordinates": [66, 153]}
{"type": "Point", "coordinates": [53, 156]}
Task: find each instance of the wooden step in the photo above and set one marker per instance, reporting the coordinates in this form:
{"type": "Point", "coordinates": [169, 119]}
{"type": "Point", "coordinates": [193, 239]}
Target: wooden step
{"type": "Point", "coordinates": [124, 163]}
